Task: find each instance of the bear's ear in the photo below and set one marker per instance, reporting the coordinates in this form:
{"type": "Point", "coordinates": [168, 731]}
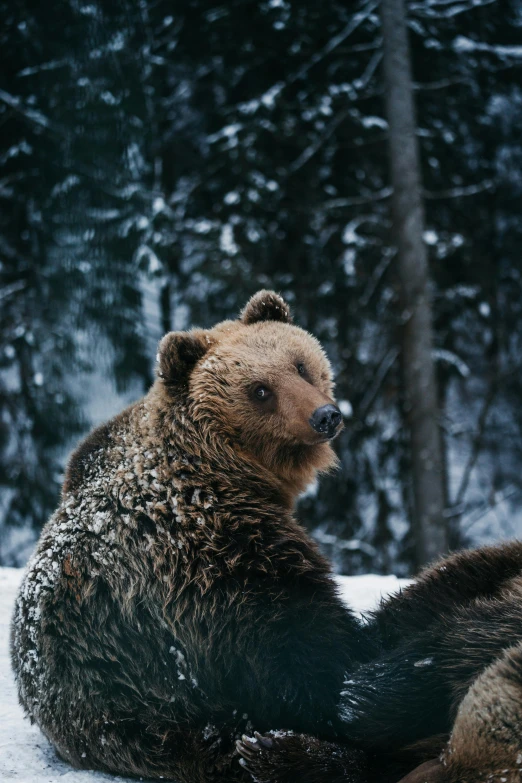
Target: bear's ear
{"type": "Point", "coordinates": [266, 306]}
{"type": "Point", "coordinates": [179, 352]}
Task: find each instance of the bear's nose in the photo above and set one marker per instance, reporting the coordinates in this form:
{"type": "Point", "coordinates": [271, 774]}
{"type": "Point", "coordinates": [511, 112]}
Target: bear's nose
{"type": "Point", "coordinates": [326, 419]}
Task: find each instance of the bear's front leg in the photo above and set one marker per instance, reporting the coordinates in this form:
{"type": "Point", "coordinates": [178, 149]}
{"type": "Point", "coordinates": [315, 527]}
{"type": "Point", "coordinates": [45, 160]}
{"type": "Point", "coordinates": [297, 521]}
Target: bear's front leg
{"type": "Point", "coordinates": [285, 757]}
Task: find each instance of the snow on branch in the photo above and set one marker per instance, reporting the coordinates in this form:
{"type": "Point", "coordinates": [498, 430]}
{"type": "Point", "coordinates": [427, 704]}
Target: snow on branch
{"type": "Point", "coordinates": [372, 66]}
{"type": "Point", "coordinates": [50, 66]}
{"type": "Point", "coordinates": [446, 9]}
{"type": "Point", "coordinates": [378, 195]}
{"type": "Point", "coordinates": [463, 44]}
{"type": "Point", "coordinates": [451, 358]}
{"type": "Point", "coordinates": [31, 114]}
{"type": "Point", "coordinates": [11, 289]}
{"type": "Point", "coordinates": [432, 195]}
{"type": "Point", "coordinates": [458, 192]}
{"type": "Point", "coordinates": [441, 84]}
{"type": "Point", "coordinates": [268, 97]}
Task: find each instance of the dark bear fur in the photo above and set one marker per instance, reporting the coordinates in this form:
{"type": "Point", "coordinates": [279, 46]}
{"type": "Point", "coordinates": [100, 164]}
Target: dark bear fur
{"type": "Point", "coordinates": [173, 602]}
{"type": "Point", "coordinates": [449, 665]}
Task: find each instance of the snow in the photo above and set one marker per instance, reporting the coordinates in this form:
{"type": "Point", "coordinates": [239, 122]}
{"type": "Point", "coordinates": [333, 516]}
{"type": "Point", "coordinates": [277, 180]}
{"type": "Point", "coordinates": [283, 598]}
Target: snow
{"type": "Point", "coordinates": [226, 241]}
{"type": "Point", "coordinates": [451, 358]}
{"type": "Point", "coordinates": [345, 406]}
{"type": "Point", "coordinates": [362, 593]}
{"type": "Point", "coordinates": [25, 754]}
{"type": "Point", "coordinates": [463, 44]}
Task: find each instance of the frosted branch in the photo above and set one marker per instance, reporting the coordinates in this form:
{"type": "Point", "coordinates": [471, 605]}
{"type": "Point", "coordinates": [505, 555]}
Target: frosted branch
{"type": "Point", "coordinates": [268, 97]}
{"type": "Point", "coordinates": [379, 195]}
{"type": "Point", "coordinates": [458, 192]}
{"type": "Point", "coordinates": [31, 114]}
{"type": "Point", "coordinates": [452, 9]}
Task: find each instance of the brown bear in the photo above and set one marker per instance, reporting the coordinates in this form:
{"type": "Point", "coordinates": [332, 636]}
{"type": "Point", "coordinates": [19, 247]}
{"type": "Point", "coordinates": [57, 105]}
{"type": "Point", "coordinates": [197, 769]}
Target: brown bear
{"type": "Point", "coordinates": [447, 679]}
{"type": "Point", "coordinates": [173, 602]}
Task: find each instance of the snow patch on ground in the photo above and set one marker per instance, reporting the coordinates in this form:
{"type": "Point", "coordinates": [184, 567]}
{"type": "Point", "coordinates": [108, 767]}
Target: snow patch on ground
{"type": "Point", "coordinates": [362, 593]}
{"type": "Point", "coordinates": [25, 754]}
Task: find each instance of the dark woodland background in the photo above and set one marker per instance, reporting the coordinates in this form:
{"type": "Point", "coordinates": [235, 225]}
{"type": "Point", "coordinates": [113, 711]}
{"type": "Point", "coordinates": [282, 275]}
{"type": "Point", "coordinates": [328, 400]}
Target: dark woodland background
{"type": "Point", "coordinates": [161, 161]}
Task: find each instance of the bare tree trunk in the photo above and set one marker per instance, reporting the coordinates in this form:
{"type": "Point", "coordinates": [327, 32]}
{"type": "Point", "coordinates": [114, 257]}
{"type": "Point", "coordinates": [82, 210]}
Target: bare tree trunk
{"type": "Point", "coordinates": [420, 393]}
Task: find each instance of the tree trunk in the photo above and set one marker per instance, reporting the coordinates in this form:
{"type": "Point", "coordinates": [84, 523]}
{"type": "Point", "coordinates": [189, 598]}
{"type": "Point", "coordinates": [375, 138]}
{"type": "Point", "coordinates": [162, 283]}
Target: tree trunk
{"type": "Point", "coordinates": [420, 393]}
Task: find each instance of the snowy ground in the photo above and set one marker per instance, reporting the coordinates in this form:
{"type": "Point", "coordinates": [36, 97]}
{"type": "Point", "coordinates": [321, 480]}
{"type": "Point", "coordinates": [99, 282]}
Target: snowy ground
{"type": "Point", "coordinates": [26, 756]}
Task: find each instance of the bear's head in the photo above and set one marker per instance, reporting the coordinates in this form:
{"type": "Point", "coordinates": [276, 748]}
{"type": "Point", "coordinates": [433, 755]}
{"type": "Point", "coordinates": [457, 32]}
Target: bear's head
{"type": "Point", "coordinates": [262, 384]}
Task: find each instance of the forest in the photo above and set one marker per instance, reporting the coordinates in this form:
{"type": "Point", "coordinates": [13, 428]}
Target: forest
{"type": "Point", "coordinates": [160, 162]}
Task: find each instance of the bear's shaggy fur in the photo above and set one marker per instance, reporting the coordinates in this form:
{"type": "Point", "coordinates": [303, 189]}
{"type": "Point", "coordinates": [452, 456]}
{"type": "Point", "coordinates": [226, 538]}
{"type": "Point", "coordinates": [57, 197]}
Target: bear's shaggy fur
{"type": "Point", "coordinates": [450, 665]}
{"type": "Point", "coordinates": [173, 602]}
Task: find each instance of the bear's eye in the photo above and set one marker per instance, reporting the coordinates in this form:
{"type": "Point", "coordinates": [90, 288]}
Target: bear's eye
{"type": "Point", "coordinates": [301, 368]}
{"type": "Point", "coordinates": [262, 393]}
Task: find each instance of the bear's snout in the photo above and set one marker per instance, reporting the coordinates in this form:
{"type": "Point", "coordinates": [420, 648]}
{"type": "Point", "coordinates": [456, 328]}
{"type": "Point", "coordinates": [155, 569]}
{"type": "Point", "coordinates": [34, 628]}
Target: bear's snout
{"type": "Point", "coordinates": [326, 420]}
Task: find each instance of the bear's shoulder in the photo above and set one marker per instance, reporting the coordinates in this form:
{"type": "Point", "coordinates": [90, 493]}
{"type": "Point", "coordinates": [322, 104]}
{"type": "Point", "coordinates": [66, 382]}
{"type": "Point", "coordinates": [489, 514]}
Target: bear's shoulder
{"type": "Point", "coordinates": [92, 448]}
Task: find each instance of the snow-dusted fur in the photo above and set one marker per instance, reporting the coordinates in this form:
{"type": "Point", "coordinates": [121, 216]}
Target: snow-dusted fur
{"type": "Point", "coordinates": [173, 602]}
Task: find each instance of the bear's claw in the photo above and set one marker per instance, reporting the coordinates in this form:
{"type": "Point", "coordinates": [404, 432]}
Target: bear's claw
{"type": "Point", "coordinates": [248, 747]}
{"type": "Point", "coordinates": [256, 756]}
{"type": "Point", "coordinates": [266, 742]}
{"type": "Point", "coordinates": [287, 757]}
